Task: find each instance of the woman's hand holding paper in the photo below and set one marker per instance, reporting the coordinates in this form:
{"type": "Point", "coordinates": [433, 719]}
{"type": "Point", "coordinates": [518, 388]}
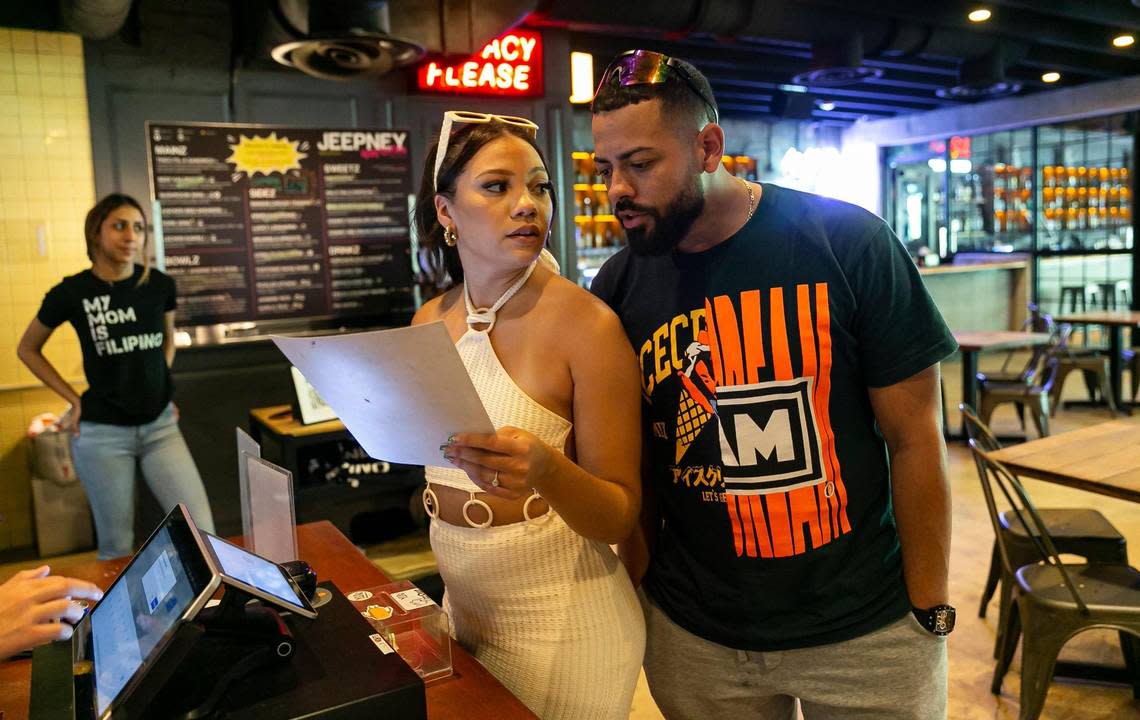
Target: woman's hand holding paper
{"type": "Point", "coordinates": [508, 463]}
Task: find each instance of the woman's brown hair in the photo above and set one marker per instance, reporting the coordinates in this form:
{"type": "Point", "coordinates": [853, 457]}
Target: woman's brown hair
{"type": "Point", "coordinates": [98, 214]}
{"type": "Point", "coordinates": [440, 260]}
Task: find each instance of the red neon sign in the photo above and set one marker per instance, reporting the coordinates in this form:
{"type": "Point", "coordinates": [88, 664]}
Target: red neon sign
{"type": "Point", "coordinates": [959, 148]}
{"type": "Point", "coordinates": [509, 65]}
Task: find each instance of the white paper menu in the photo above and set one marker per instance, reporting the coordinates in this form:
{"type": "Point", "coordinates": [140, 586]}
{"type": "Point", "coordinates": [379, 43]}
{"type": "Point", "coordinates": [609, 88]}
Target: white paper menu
{"type": "Point", "coordinates": [400, 392]}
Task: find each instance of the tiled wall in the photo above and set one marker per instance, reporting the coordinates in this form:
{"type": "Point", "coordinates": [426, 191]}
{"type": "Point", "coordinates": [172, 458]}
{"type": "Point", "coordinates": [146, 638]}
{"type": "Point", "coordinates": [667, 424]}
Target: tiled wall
{"type": "Point", "coordinates": [46, 187]}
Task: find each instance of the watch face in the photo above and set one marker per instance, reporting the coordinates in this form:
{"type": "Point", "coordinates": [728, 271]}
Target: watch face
{"type": "Point", "coordinates": [943, 620]}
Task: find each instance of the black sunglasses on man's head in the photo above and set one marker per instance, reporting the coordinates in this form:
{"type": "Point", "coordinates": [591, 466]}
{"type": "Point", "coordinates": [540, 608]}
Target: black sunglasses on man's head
{"type": "Point", "coordinates": [646, 67]}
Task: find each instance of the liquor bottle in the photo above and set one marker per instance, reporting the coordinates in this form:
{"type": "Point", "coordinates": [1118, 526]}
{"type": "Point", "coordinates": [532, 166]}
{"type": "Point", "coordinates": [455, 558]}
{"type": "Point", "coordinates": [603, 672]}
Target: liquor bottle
{"type": "Point", "coordinates": [602, 202]}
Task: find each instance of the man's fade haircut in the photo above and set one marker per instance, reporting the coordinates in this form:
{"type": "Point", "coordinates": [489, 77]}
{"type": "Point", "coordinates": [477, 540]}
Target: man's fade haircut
{"type": "Point", "coordinates": [677, 98]}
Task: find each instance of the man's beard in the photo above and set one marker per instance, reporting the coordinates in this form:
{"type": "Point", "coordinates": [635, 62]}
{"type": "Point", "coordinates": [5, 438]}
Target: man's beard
{"type": "Point", "coordinates": [670, 226]}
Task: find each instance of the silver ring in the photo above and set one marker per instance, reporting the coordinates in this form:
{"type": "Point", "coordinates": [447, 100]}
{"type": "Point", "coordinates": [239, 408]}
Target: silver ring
{"type": "Point", "coordinates": [495, 479]}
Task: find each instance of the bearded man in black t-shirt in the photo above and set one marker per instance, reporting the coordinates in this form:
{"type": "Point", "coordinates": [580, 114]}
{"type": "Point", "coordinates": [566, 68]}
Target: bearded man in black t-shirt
{"type": "Point", "coordinates": [796, 525]}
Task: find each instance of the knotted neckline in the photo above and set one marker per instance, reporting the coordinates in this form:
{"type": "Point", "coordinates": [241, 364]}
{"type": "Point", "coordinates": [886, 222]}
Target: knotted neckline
{"type": "Point", "coordinates": [481, 316]}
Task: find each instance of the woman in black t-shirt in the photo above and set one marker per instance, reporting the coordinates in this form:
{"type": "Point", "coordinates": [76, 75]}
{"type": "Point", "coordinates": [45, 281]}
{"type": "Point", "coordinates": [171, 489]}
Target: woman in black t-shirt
{"type": "Point", "coordinates": [123, 313]}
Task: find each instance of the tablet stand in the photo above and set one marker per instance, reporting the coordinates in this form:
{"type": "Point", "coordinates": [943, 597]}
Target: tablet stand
{"type": "Point", "coordinates": [224, 644]}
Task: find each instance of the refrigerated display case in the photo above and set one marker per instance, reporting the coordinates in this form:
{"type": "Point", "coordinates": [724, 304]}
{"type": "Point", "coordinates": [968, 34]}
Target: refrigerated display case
{"type": "Point", "coordinates": [916, 205]}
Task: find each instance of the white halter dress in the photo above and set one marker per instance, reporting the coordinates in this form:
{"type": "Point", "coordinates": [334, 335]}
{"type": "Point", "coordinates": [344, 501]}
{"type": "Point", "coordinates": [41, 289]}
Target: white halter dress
{"type": "Point", "coordinates": [551, 614]}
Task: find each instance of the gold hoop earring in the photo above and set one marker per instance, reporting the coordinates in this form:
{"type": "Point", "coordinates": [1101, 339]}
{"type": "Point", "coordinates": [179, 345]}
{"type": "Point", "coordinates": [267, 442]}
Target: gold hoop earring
{"type": "Point", "coordinates": [450, 237]}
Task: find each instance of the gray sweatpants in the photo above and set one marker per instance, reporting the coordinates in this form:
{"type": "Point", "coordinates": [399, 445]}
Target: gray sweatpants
{"type": "Point", "coordinates": [897, 671]}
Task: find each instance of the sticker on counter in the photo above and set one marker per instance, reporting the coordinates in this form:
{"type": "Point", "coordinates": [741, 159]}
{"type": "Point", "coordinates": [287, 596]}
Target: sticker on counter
{"type": "Point", "coordinates": [381, 644]}
{"type": "Point", "coordinates": [360, 596]}
{"type": "Point", "coordinates": [378, 612]}
{"type": "Point", "coordinates": [412, 599]}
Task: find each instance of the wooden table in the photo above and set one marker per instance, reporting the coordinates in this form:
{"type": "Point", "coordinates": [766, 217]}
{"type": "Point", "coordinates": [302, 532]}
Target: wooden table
{"type": "Point", "coordinates": [471, 692]}
{"type": "Point", "coordinates": [1102, 458]}
{"type": "Point", "coordinates": [972, 342]}
{"type": "Point", "coordinates": [279, 419]}
{"type": "Point", "coordinates": [1116, 321]}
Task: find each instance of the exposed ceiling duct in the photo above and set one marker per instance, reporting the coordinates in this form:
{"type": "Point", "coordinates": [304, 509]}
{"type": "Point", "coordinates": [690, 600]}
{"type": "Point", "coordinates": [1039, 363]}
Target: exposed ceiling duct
{"type": "Point", "coordinates": [836, 63]}
{"type": "Point", "coordinates": [981, 78]}
{"type": "Point", "coordinates": [340, 39]}
{"type": "Point", "coordinates": [838, 32]}
{"type": "Point", "coordinates": [94, 19]}
{"type": "Point", "coordinates": [346, 39]}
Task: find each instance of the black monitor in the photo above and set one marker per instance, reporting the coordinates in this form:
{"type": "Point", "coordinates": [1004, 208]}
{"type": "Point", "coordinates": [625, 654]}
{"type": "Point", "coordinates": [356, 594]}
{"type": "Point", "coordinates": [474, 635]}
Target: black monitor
{"type": "Point", "coordinates": [169, 580]}
{"type": "Point", "coordinates": [256, 576]}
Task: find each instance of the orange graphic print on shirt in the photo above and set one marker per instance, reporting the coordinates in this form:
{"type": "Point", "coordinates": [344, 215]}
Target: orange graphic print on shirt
{"type": "Point", "coordinates": [765, 392]}
{"type": "Point", "coordinates": [784, 488]}
{"type": "Point", "coordinates": [695, 408]}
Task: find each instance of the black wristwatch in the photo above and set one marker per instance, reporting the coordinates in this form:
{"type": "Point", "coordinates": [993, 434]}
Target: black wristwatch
{"type": "Point", "coordinates": [938, 619]}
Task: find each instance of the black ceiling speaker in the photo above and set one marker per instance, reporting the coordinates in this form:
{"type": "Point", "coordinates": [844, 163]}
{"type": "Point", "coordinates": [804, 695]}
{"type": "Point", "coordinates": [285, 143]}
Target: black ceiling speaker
{"type": "Point", "coordinates": [981, 78]}
{"type": "Point", "coordinates": [836, 63]}
{"type": "Point", "coordinates": [342, 40]}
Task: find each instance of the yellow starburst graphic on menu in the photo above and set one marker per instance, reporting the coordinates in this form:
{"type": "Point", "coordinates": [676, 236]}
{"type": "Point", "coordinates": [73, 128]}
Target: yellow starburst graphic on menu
{"type": "Point", "coordinates": [265, 155]}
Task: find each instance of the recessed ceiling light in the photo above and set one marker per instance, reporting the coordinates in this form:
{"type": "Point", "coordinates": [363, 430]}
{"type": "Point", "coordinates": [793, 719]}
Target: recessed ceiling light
{"type": "Point", "coordinates": [1050, 77]}
{"type": "Point", "coordinates": [827, 106]}
{"type": "Point", "coordinates": [979, 15]}
{"type": "Point", "coordinates": [1123, 41]}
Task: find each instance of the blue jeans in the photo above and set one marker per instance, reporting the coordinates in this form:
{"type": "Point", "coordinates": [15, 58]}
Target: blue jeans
{"type": "Point", "coordinates": [105, 458]}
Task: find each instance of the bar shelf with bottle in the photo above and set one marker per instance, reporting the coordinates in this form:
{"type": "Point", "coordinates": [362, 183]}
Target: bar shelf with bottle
{"type": "Point", "coordinates": [1058, 195]}
{"type": "Point", "coordinates": [1085, 233]}
{"type": "Point", "coordinates": [597, 231]}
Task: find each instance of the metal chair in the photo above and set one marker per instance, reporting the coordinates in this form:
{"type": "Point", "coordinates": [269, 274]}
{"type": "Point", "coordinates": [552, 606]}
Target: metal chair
{"type": "Point", "coordinates": [1093, 367]}
{"type": "Point", "coordinates": [1130, 358]}
{"type": "Point", "coordinates": [1075, 531]}
{"type": "Point", "coordinates": [1009, 371]}
{"type": "Point", "coordinates": [1054, 600]}
{"type": "Point", "coordinates": [1030, 392]}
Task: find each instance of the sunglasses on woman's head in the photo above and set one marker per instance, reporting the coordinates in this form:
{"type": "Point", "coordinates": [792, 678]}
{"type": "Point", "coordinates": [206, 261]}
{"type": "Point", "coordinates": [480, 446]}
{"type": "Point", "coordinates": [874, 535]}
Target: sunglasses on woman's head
{"type": "Point", "coordinates": [646, 67]}
{"type": "Point", "coordinates": [452, 117]}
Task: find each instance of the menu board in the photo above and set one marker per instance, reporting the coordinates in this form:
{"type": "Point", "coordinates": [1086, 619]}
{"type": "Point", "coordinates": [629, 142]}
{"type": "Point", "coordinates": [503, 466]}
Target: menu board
{"type": "Point", "coordinates": [270, 223]}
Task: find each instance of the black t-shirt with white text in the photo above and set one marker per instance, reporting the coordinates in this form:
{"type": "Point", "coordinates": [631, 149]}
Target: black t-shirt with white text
{"type": "Point", "coordinates": [770, 473]}
{"type": "Point", "coordinates": [121, 327]}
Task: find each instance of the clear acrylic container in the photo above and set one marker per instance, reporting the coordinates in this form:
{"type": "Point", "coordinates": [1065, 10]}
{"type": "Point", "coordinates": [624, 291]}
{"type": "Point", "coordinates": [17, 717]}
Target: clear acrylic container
{"type": "Point", "coordinates": [408, 622]}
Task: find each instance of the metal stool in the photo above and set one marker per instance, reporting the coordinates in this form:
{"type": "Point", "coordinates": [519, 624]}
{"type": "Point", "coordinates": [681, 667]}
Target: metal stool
{"type": "Point", "coordinates": [1075, 295]}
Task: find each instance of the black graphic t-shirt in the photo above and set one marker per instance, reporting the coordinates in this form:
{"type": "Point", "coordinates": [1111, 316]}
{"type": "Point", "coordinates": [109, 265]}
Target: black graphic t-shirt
{"type": "Point", "coordinates": [771, 476]}
{"type": "Point", "coordinates": [121, 329]}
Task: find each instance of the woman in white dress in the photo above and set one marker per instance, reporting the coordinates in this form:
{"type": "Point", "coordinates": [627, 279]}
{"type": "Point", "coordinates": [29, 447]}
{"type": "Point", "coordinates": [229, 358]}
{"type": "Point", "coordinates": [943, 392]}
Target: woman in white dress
{"type": "Point", "coordinates": [524, 517]}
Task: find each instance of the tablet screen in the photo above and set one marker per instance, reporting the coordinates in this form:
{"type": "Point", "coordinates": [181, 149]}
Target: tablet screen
{"type": "Point", "coordinates": [168, 580]}
{"type": "Point", "coordinates": [256, 572]}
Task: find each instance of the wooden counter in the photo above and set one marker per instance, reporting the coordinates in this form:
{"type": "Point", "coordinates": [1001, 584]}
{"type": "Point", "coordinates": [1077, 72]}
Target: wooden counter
{"type": "Point", "coordinates": [976, 267]}
{"type": "Point", "coordinates": [469, 693]}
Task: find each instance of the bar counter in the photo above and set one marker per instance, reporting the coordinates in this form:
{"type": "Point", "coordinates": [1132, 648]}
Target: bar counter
{"type": "Point", "coordinates": [980, 296]}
